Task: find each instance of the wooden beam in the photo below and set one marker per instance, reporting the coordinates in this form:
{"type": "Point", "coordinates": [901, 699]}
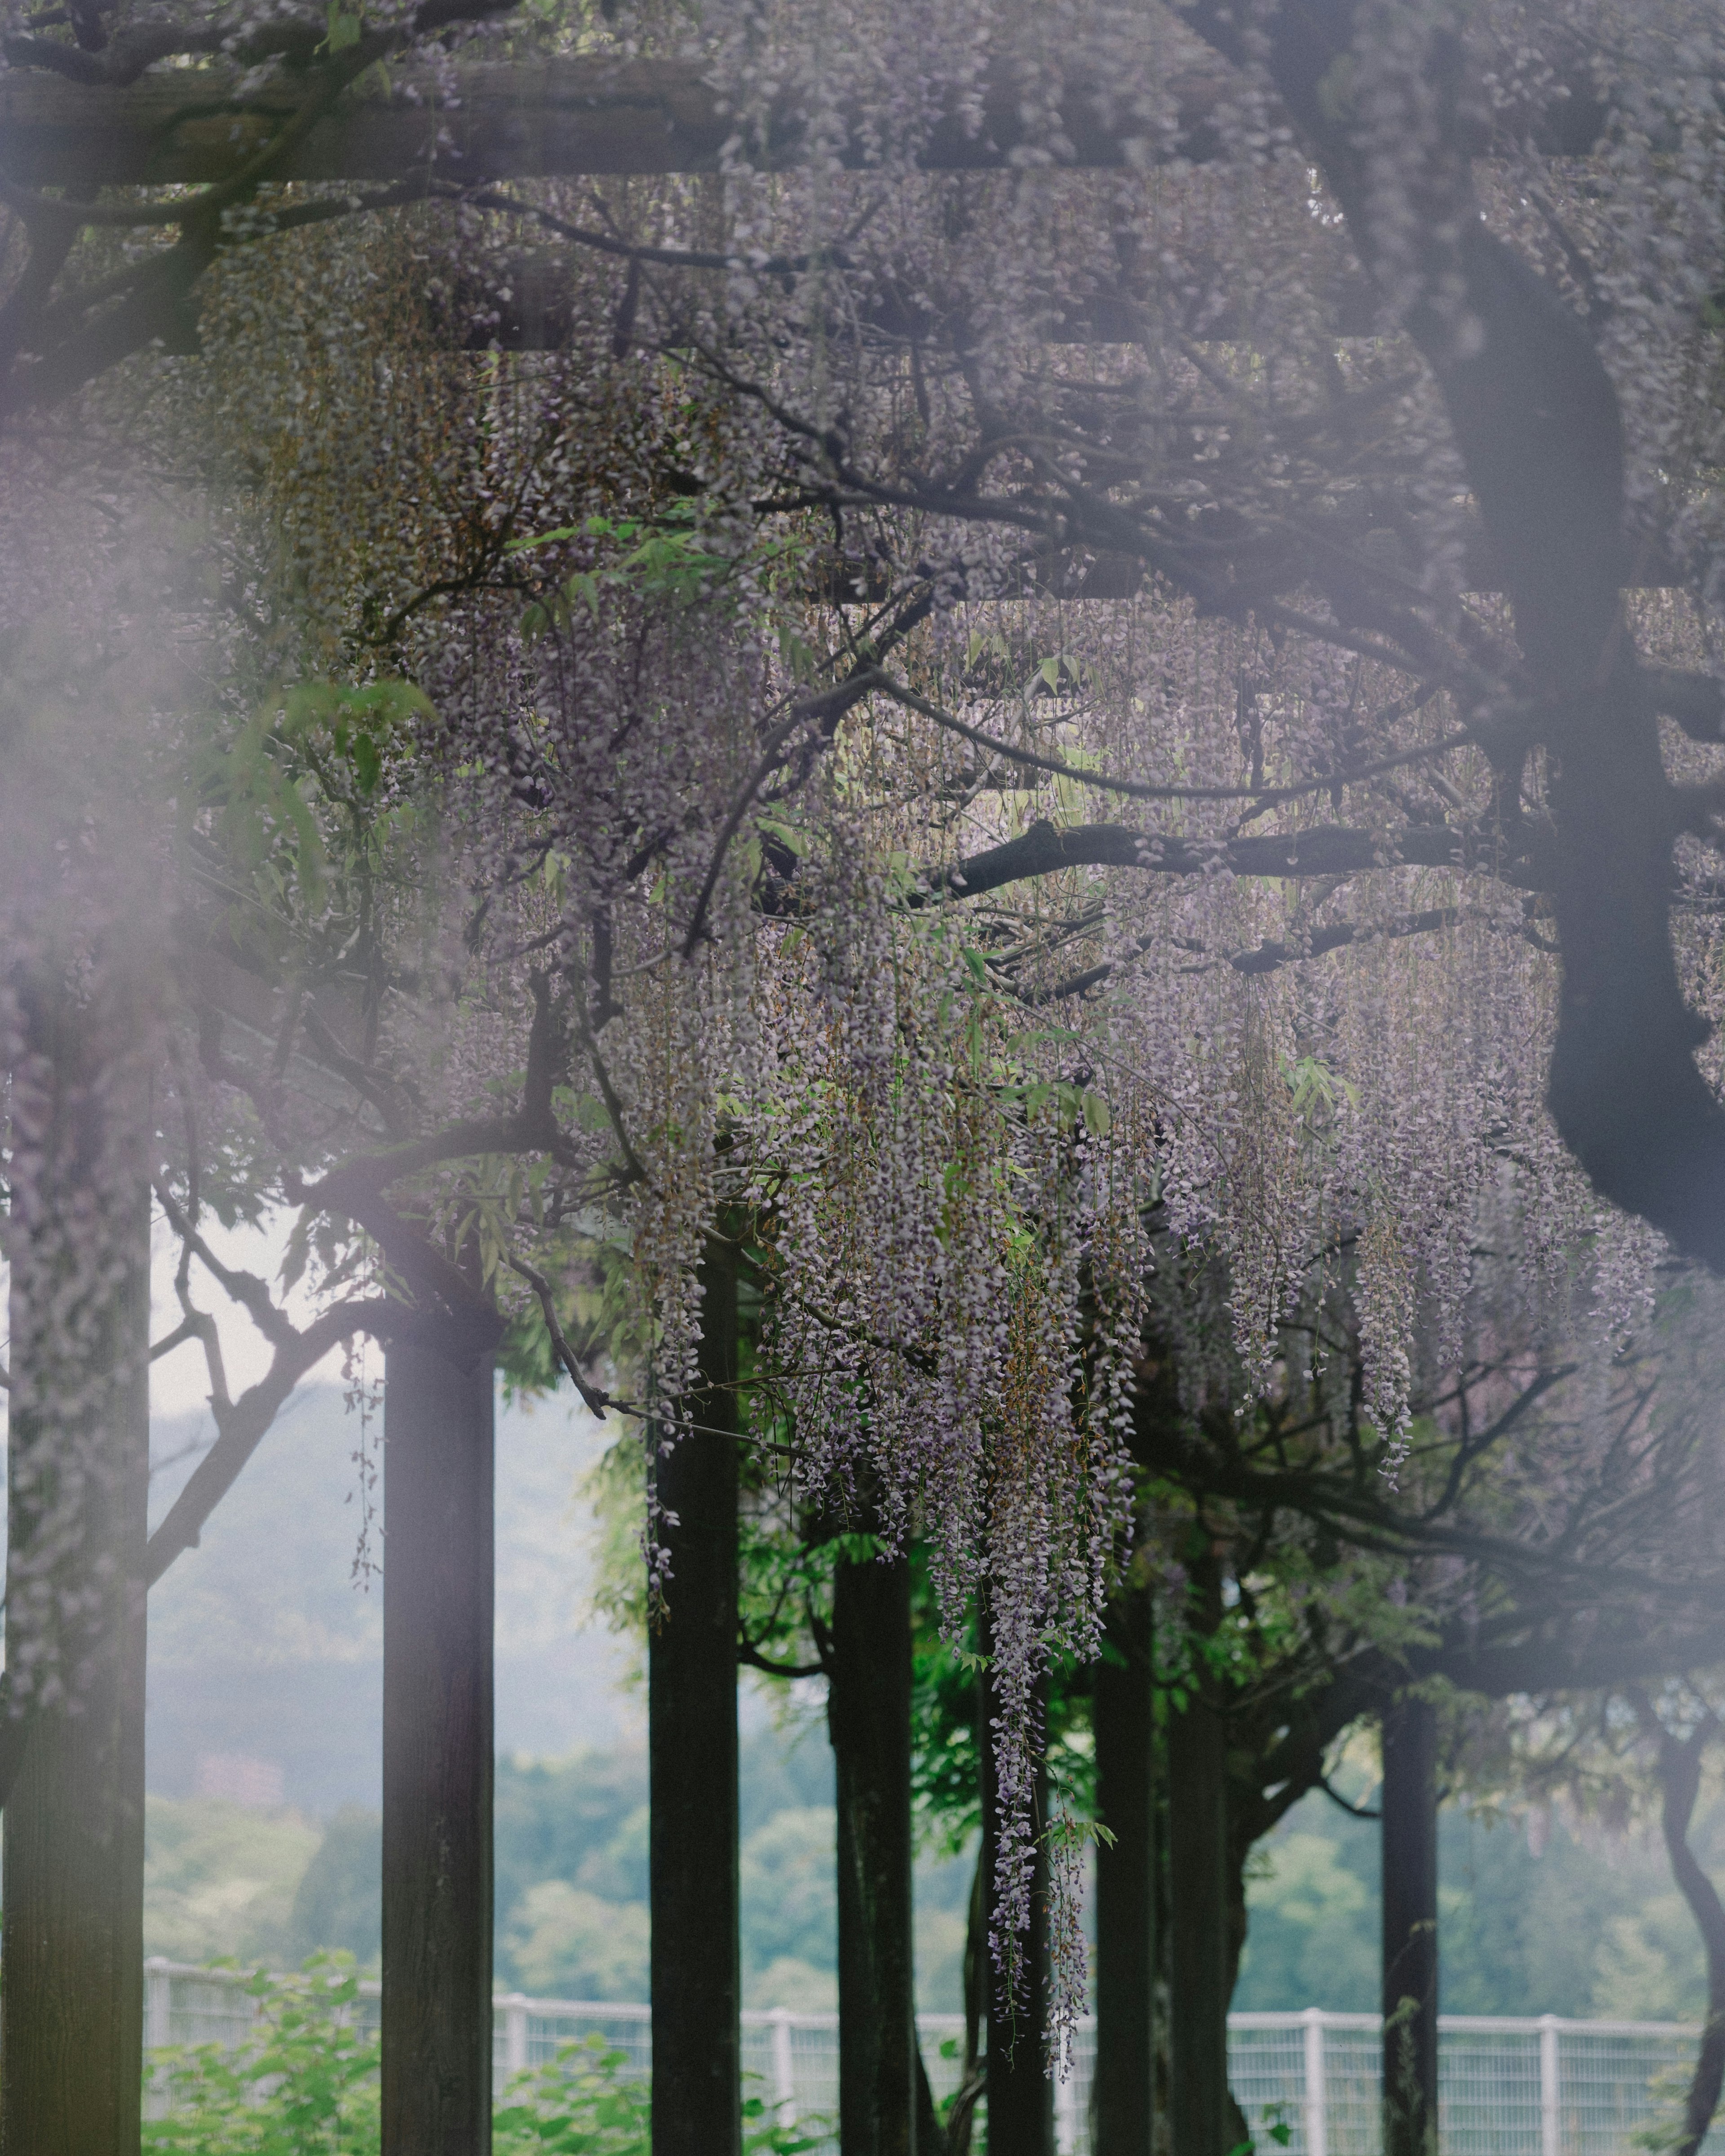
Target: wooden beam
{"type": "Point", "coordinates": [557, 118]}
{"type": "Point", "coordinates": [529, 298]}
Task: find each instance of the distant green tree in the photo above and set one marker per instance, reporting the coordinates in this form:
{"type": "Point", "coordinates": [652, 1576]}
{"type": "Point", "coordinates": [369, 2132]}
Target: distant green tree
{"type": "Point", "coordinates": [563, 1942]}
{"type": "Point", "coordinates": [338, 1903]}
{"type": "Point", "coordinates": [1313, 1936]}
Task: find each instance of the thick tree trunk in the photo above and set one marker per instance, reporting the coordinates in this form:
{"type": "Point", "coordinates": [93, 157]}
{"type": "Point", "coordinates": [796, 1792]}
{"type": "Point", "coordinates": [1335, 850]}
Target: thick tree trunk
{"type": "Point", "coordinates": [1537, 421]}
{"type": "Point", "coordinates": [1124, 2092]}
{"type": "Point", "coordinates": [71, 1983]}
{"type": "Point", "coordinates": [869, 1717]}
{"type": "Point", "coordinates": [1019, 2092]}
{"type": "Point", "coordinates": [691, 1742]}
{"type": "Point", "coordinates": [1680, 1779]}
{"type": "Point", "coordinates": [1411, 1938]}
{"type": "Point", "coordinates": [438, 1575]}
{"type": "Point", "coordinates": [1198, 1913]}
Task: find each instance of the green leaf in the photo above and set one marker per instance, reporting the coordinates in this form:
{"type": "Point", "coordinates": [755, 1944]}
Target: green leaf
{"type": "Point", "coordinates": [367, 763]}
{"type": "Point", "coordinates": [343, 28]}
{"type": "Point", "coordinates": [584, 585]}
{"type": "Point", "coordinates": [543, 539]}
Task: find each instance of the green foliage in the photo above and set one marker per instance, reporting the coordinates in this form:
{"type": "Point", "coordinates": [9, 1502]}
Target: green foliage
{"type": "Point", "coordinates": [580, 2103]}
{"type": "Point", "coordinates": [1589, 1928]}
{"type": "Point", "coordinates": [943, 1719]}
{"type": "Point", "coordinates": [303, 2084]}
{"type": "Point", "coordinates": [668, 559]}
{"type": "Point", "coordinates": [221, 1879]}
{"type": "Point", "coordinates": [306, 2084]}
{"type": "Point", "coordinates": [1314, 1086]}
{"type": "Point", "coordinates": [289, 795]}
{"type": "Point", "coordinates": [787, 1877]}
{"type": "Point", "coordinates": [344, 29]}
{"type": "Point", "coordinates": [1312, 1937]}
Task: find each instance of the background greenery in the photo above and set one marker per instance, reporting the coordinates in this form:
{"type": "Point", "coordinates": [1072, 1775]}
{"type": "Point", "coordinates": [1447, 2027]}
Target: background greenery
{"type": "Point", "coordinates": [1590, 1926]}
{"type": "Point", "coordinates": [269, 1888]}
{"type": "Point", "coordinates": [262, 1644]}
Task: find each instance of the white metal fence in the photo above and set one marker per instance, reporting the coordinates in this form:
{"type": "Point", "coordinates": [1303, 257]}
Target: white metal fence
{"type": "Point", "coordinates": [1506, 2088]}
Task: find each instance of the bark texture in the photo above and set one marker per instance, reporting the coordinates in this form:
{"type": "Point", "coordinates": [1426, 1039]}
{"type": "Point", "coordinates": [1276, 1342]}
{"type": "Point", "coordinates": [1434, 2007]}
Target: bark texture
{"type": "Point", "coordinates": [1410, 1934]}
{"type": "Point", "coordinates": [440, 1483]}
{"type": "Point", "coordinates": [869, 1718]}
{"type": "Point", "coordinates": [691, 1744]}
{"type": "Point", "coordinates": [1123, 2099]}
{"type": "Point", "coordinates": [71, 1982]}
{"type": "Point", "coordinates": [1198, 1957]}
{"type": "Point", "coordinates": [1680, 1761]}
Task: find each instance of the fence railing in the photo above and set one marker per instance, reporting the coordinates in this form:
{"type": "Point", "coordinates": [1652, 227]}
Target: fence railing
{"type": "Point", "coordinates": [1546, 2087]}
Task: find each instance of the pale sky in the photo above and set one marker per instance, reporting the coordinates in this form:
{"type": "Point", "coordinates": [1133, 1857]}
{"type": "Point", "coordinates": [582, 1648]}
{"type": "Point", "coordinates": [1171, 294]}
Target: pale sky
{"type": "Point", "coordinates": [180, 1382]}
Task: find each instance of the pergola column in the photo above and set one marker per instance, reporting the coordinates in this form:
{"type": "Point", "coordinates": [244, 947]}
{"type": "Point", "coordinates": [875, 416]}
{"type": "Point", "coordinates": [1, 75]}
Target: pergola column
{"type": "Point", "coordinates": [691, 1757]}
{"type": "Point", "coordinates": [438, 1741]}
{"type": "Point", "coordinates": [1411, 1938]}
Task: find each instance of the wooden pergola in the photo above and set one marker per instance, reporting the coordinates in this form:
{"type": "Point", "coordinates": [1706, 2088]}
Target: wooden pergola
{"type": "Point", "coordinates": [90, 126]}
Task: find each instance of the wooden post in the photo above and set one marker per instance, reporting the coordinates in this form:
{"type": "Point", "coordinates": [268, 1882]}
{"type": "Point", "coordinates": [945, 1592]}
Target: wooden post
{"type": "Point", "coordinates": [1020, 2091]}
{"type": "Point", "coordinates": [1198, 1912]}
{"type": "Point", "coordinates": [72, 1980]}
{"type": "Point", "coordinates": [438, 1583]}
{"type": "Point", "coordinates": [692, 1753]}
{"type": "Point", "coordinates": [1123, 2094]}
{"type": "Point", "coordinates": [1411, 1938]}
{"type": "Point", "coordinates": [869, 1719]}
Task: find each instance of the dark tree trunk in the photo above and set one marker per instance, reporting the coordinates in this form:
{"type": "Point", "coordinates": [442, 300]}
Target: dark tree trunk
{"type": "Point", "coordinates": [1680, 1780]}
{"type": "Point", "coordinates": [1198, 1921]}
{"type": "Point", "coordinates": [930, 2138]}
{"type": "Point", "coordinates": [691, 1743]}
{"type": "Point", "coordinates": [438, 1575]}
{"type": "Point", "coordinates": [71, 1985]}
{"type": "Point", "coordinates": [961, 2119]}
{"type": "Point", "coordinates": [1019, 2091]}
{"type": "Point", "coordinates": [869, 1717]}
{"type": "Point", "coordinates": [1411, 1938]}
{"type": "Point", "coordinates": [1124, 2092]}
